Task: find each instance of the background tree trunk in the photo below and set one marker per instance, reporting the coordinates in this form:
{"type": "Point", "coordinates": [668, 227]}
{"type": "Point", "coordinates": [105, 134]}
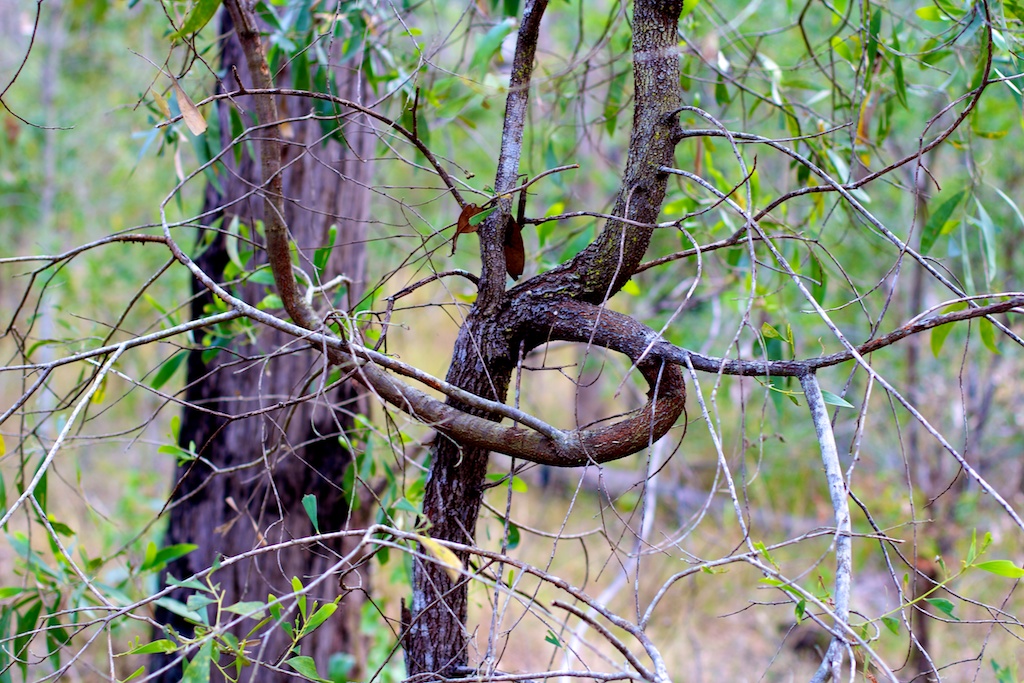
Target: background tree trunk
{"type": "Point", "coordinates": [290, 451]}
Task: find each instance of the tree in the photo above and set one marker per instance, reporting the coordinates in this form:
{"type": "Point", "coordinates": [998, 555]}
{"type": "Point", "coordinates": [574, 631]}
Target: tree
{"type": "Point", "coordinates": [261, 428]}
{"type": "Point", "coordinates": [798, 172]}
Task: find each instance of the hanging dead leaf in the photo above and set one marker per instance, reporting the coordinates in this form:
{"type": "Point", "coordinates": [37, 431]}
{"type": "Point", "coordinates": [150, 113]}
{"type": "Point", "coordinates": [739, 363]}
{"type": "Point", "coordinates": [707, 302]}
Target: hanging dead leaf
{"type": "Point", "coordinates": [464, 225]}
{"type": "Point", "coordinates": [515, 250]}
{"type": "Point", "coordinates": [444, 556]}
{"type": "Point", "coordinates": [189, 111]}
{"type": "Point", "coordinates": [160, 102]}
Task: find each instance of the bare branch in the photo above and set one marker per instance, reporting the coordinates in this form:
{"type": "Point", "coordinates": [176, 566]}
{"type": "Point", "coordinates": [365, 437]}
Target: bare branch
{"type": "Point", "coordinates": [841, 505]}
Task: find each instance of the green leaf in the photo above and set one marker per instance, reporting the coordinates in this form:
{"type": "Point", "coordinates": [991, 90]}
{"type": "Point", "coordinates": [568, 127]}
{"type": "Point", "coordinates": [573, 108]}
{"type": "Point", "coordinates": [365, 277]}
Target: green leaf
{"type": "Point", "coordinates": [1003, 673]}
{"type": "Point", "coordinates": [325, 82]}
{"type": "Point", "coordinates": [897, 68]}
{"type": "Point", "coordinates": [893, 624]}
{"type": "Point", "coordinates": [163, 645]}
{"type": "Point", "coordinates": [301, 78]}
{"type": "Point", "coordinates": [478, 218]}
{"type": "Point", "coordinates": [769, 332]}
{"type": "Point", "coordinates": [873, 30]}
{"type": "Point", "coordinates": [193, 584]}
{"type": "Point", "coordinates": [552, 638]}
{"type": "Point", "coordinates": [249, 608]}
{"type": "Point", "coordinates": [831, 399]}
{"type": "Point", "coordinates": [176, 607]}
{"type": "Point", "coordinates": [939, 334]}
{"type": "Point", "coordinates": [339, 665]}
{"type": "Point", "coordinates": [988, 335]}
{"type": "Point", "coordinates": [161, 557]}
{"type": "Point", "coordinates": [613, 105]}
{"type": "Point", "coordinates": [198, 670]}
{"type": "Point", "coordinates": [309, 505]}
{"type": "Point", "coordinates": [721, 92]}
{"type": "Point", "coordinates": [763, 549]}
{"type": "Point", "coordinates": [513, 536]}
{"type": "Point", "coordinates": [983, 62]}
{"type": "Point", "coordinates": [197, 18]}
{"type": "Point", "coordinates": [972, 552]}
{"type": "Point", "coordinates": [24, 629]}
{"type": "Point", "coordinates": [270, 302]}
{"type": "Point", "coordinates": [135, 674]}
{"type": "Point", "coordinates": [60, 527]}
{"type": "Point", "coordinates": [300, 597]}
{"type": "Point", "coordinates": [988, 240]}
{"type": "Point", "coordinates": [231, 243]}
{"type": "Point", "coordinates": [263, 276]}
{"type": "Point", "coordinates": [943, 605]}
{"type": "Point", "coordinates": [688, 7]}
{"type": "Point", "coordinates": [319, 617]}
{"type": "Point", "coordinates": [1001, 568]}
{"type": "Point", "coordinates": [1013, 205]}
{"type": "Point", "coordinates": [321, 255]}
{"type": "Point", "coordinates": [931, 13]}
{"type": "Point", "coordinates": [274, 606]}
{"type": "Point", "coordinates": [518, 484]}
{"type": "Point", "coordinates": [168, 369]}
{"type": "Point", "coordinates": [847, 48]}
{"type": "Point", "coordinates": [1015, 8]}
{"type": "Point", "coordinates": [819, 280]}
{"type": "Point", "coordinates": [936, 224]}
{"type": "Point", "coordinates": [489, 45]}
{"type": "Point", "coordinates": [405, 505]}
{"type": "Point", "coordinates": [306, 668]}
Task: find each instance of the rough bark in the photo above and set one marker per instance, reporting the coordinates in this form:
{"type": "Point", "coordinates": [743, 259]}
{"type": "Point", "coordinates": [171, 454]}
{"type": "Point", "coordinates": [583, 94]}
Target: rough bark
{"type": "Point", "coordinates": [293, 450]}
{"type": "Point", "coordinates": [561, 304]}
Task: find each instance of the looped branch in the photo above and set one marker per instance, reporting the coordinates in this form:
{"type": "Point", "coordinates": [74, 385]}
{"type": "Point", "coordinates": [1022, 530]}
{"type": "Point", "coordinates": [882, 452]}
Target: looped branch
{"type": "Point", "coordinates": [561, 320]}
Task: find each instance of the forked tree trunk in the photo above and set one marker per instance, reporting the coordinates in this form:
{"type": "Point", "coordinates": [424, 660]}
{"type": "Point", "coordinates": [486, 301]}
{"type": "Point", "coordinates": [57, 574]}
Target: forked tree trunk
{"type": "Point", "coordinates": [564, 303]}
{"type": "Point", "coordinates": [286, 452]}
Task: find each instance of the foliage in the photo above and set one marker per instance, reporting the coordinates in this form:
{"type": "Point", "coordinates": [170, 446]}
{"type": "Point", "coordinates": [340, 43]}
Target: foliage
{"type": "Point", "coordinates": [843, 195]}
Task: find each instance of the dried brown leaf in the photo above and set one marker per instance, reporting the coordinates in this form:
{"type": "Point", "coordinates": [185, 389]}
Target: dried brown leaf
{"type": "Point", "coordinates": [463, 225]}
{"type": "Point", "coordinates": [189, 111]}
{"type": "Point", "coordinates": [515, 250]}
{"type": "Point", "coordinates": [161, 103]}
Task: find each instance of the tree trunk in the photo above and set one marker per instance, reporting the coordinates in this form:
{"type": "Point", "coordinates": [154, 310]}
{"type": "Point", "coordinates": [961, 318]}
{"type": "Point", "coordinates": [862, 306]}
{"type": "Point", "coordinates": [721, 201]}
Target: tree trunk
{"type": "Point", "coordinates": [565, 303]}
{"type": "Point", "coordinates": [278, 456]}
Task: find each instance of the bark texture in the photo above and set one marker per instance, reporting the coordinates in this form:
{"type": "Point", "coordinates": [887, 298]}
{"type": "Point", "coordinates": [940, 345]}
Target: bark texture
{"type": "Point", "coordinates": [292, 449]}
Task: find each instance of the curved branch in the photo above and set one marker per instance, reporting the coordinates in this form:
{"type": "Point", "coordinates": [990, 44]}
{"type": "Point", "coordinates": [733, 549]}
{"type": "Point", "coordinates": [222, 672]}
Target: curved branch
{"type": "Point", "coordinates": [569, 321]}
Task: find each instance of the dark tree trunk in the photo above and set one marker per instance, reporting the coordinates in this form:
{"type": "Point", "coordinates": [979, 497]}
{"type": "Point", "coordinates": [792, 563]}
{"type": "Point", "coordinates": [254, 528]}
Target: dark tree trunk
{"type": "Point", "coordinates": [286, 452]}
